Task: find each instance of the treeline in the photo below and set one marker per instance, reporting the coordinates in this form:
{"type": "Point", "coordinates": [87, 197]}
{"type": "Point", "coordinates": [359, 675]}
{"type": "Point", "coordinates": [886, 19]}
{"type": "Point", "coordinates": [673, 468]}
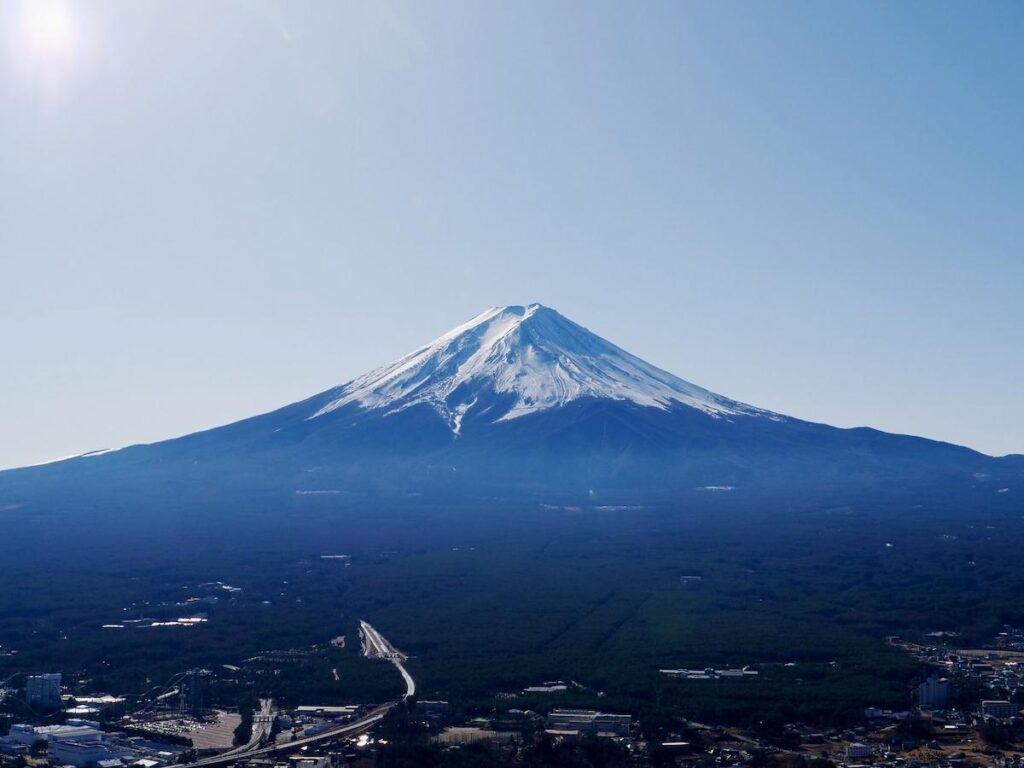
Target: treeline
{"type": "Point", "coordinates": [491, 603]}
{"type": "Point", "coordinates": [247, 710]}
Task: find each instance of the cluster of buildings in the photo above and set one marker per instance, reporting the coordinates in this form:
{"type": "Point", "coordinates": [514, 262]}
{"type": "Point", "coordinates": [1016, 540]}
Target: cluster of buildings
{"type": "Point", "coordinates": [169, 613]}
{"type": "Point", "coordinates": [997, 672]}
{"type": "Point", "coordinates": [82, 744]}
{"type": "Point", "coordinates": [999, 668]}
{"type": "Point", "coordinates": [550, 686]}
{"type": "Point", "coordinates": [311, 719]}
{"type": "Point", "coordinates": [148, 623]}
{"type": "Point", "coordinates": [93, 707]}
{"type": "Point", "coordinates": [44, 693]}
{"type": "Point", "coordinates": [1011, 638]}
{"type": "Point", "coordinates": [746, 673]}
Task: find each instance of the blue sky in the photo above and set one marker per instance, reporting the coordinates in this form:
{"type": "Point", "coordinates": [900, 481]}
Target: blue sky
{"type": "Point", "coordinates": [208, 210]}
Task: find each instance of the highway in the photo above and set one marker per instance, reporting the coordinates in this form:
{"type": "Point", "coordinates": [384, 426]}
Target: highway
{"type": "Point", "coordinates": [262, 722]}
{"type": "Point", "coordinates": [374, 646]}
{"type": "Point", "coordinates": [348, 729]}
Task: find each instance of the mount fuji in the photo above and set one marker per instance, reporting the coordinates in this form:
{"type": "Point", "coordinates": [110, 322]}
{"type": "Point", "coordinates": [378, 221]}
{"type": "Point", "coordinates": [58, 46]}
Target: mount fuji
{"type": "Point", "coordinates": [518, 403]}
{"type": "Point", "coordinates": [510, 362]}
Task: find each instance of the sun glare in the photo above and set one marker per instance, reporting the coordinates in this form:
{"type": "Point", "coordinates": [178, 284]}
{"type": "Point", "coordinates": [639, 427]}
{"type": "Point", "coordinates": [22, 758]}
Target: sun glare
{"type": "Point", "coordinates": [48, 26]}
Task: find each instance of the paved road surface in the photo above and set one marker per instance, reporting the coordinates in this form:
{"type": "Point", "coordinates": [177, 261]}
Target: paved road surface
{"type": "Point", "coordinates": [374, 645]}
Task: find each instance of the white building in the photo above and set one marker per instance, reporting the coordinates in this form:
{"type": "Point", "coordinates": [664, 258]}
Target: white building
{"type": "Point", "coordinates": [26, 734]}
{"type": "Point", "coordinates": [100, 703]}
{"type": "Point", "coordinates": [589, 721]}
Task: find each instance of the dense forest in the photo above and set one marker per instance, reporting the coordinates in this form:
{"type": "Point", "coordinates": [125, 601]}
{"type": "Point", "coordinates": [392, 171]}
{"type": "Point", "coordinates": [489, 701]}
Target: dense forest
{"type": "Point", "coordinates": [488, 601]}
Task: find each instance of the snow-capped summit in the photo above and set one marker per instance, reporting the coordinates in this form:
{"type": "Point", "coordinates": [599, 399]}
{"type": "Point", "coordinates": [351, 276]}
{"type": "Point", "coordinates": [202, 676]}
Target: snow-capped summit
{"type": "Point", "coordinates": [517, 406]}
{"type": "Point", "coordinates": [532, 359]}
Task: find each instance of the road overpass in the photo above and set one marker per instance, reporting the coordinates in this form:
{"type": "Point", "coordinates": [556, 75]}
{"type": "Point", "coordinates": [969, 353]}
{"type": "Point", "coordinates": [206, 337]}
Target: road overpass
{"type": "Point", "coordinates": [374, 646]}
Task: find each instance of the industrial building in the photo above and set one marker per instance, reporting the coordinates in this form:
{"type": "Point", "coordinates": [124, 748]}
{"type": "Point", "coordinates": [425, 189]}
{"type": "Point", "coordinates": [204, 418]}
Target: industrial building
{"type": "Point", "coordinates": [82, 753]}
{"type": "Point", "coordinates": [83, 745]}
{"type": "Point", "coordinates": [27, 734]}
{"type": "Point", "coordinates": [588, 721]}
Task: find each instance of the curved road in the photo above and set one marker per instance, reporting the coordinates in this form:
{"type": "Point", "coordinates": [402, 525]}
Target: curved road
{"type": "Point", "coordinates": [262, 722]}
{"type": "Point", "coordinates": [375, 646]}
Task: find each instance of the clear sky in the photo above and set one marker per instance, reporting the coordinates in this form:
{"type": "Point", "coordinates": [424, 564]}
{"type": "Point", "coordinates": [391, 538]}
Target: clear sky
{"type": "Point", "coordinates": [210, 209]}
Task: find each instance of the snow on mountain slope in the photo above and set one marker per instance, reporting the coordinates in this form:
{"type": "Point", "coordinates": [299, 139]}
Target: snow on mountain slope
{"type": "Point", "coordinates": [534, 357]}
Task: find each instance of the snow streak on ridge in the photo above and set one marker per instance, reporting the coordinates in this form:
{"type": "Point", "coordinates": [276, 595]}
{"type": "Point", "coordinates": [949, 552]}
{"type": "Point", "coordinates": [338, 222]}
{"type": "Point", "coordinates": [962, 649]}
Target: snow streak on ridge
{"type": "Point", "coordinates": [534, 359]}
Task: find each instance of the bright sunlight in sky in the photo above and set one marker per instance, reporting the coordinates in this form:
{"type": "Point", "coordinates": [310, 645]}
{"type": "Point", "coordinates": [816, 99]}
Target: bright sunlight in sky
{"type": "Point", "coordinates": [48, 26]}
{"type": "Point", "coordinates": [212, 208]}
{"type": "Point", "coordinates": [45, 42]}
